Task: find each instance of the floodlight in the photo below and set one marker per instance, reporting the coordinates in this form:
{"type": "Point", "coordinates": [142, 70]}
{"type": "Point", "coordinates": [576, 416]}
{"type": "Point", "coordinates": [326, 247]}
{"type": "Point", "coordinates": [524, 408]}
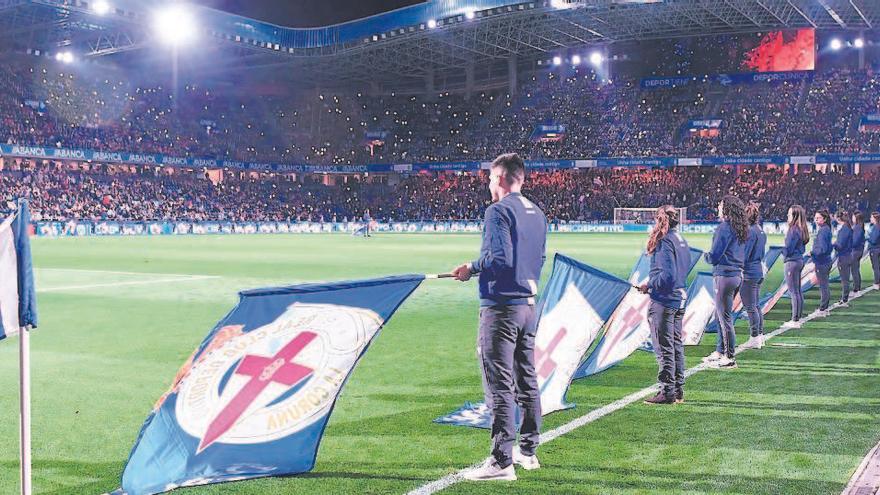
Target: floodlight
{"type": "Point", "coordinates": [557, 60]}
{"type": "Point", "coordinates": [175, 25]}
{"type": "Point", "coordinates": [836, 44]}
{"type": "Point", "coordinates": [101, 7]}
{"type": "Point", "coordinates": [859, 43]}
{"type": "Point", "coordinates": [432, 23]}
{"type": "Point", "coordinates": [575, 60]}
{"type": "Point", "coordinates": [469, 14]}
{"type": "Point", "coordinates": [596, 59]}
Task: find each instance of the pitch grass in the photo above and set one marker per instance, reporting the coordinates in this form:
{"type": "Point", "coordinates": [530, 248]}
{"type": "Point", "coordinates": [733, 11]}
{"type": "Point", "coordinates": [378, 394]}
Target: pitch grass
{"type": "Point", "coordinates": [797, 417]}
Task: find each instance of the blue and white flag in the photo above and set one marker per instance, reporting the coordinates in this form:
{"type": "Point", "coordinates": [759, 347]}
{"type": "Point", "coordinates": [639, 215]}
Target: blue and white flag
{"type": "Point", "coordinates": [254, 398]}
{"type": "Point", "coordinates": [700, 308]}
{"type": "Point", "coordinates": [18, 299]}
{"type": "Point", "coordinates": [628, 328]}
{"type": "Point", "coordinates": [576, 302]}
{"type": "Point", "coordinates": [770, 258]}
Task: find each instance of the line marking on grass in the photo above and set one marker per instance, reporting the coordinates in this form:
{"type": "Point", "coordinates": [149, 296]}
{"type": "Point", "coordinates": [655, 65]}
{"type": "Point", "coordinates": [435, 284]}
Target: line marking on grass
{"type": "Point", "coordinates": [80, 270]}
{"type": "Point", "coordinates": [451, 479]}
{"type": "Point", "coordinates": [122, 284]}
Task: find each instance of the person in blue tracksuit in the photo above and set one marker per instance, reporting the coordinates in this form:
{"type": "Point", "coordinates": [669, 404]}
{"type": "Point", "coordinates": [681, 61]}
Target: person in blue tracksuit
{"type": "Point", "coordinates": [874, 246]}
{"type": "Point", "coordinates": [821, 255]}
{"type": "Point", "coordinates": [509, 267]}
{"type": "Point", "coordinates": [796, 240]}
{"type": "Point", "coordinates": [858, 249]}
{"type": "Point", "coordinates": [667, 282]}
{"type": "Point", "coordinates": [843, 245]}
{"type": "Point", "coordinates": [753, 275]}
{"type": "Point", "coordinates": [727, 258]}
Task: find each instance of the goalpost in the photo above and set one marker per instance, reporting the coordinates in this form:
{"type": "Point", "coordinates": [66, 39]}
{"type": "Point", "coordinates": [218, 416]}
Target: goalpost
{"type": "Point", "coordinates": [644, 216]}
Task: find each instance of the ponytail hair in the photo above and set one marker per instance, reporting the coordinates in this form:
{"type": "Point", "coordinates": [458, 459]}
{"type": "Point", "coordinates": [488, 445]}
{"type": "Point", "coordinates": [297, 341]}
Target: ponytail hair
{"type": "Point", "coordinates": [666, 218]}
{"type": "Point", "coordinates": [859, 218]}
{"type": "Point", "coordinates": [734, 212]}
{"type": "Point", "coordinates": [799, 221]}
{"type": "Point", "coordinates": [844, 218]}
{"type": "Point", "coordinates": [753, 212]}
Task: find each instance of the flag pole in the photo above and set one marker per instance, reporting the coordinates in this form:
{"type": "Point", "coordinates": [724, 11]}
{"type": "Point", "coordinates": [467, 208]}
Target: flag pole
{"type": "Point", "coordinates": [24, 355]}
{"type": "Point", "coordinates": [24, 358]}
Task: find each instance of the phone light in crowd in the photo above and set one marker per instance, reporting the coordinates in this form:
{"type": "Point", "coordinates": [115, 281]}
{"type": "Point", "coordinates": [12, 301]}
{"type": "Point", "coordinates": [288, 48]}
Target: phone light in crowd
{"type": "Point", "coordinates": [101, 7]}
{"type": "Point", "coordinates": [432, 23]}
{"type": "Point", "coordinates": [575, 60]}
{"type": "Point", "coordinates": [175, 25]}
{"type": "Point", "coordinates": [596, 59]}
{"type": "Point", "coordinates": [65, 57]}
{"type": "Point", "coordinates": [836, 44]}
{"type": "Point", "coordinates": [859, 43]}
{"type": "Point", "coordinates": [469, 14]}
{"type": "Point", "coordinates": [557, 60]}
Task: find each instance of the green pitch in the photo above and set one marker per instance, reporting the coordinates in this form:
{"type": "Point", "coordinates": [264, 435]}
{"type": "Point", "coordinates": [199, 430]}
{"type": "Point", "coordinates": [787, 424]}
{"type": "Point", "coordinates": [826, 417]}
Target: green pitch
{"type": "Point", "coordinates": [120, 315]}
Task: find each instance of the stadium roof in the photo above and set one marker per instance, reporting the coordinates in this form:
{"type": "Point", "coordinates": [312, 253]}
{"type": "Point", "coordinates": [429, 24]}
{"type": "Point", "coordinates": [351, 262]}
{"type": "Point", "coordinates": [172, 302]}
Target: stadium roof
{"type": "Point", "coordinates": [440, 39]}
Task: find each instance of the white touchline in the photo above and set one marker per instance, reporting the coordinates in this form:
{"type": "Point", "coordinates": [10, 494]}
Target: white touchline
{"type": "Point", "coordinates": [121, 284]}
{"type": "Point", "coordinates": [81, 270]}
{"type": "Point", "coordinates": [449, 480]}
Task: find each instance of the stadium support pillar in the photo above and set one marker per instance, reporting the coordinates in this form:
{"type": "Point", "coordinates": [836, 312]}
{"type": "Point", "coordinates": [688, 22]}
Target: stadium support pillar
{"type": "Point", "coordinates": [511, 75]}
{"type": "Point", "coordinates": [468, 81]}
{"type": "Point", "coordinates": [862, 52]}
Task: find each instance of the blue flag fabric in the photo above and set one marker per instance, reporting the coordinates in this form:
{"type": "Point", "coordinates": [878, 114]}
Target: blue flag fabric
{"type": "Point", "coordinates": [627, 329]}
{"type": "Point", "coordinates": [576, 302]}
{"type": "Point", "coordinates": [18, 299]}
{"type": "Point", "coordinates": [770, 258]}
{"type": "Point", "coordinates": [254, 398]}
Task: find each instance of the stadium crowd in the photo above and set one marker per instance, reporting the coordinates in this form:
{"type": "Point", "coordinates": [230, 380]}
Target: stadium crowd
{"type": "Point", "coordinates": [52, 105]}
{"type": "Point", "coordinates": [587, 195]}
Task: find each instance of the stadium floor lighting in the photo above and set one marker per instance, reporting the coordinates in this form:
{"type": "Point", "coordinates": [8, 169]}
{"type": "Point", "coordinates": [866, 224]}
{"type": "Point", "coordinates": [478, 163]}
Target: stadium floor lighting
{"type": "Point", "coordinates": [557, 60]}
{"type": "Point", "coordinates": [859, 43]}
{"type": "Point", "coordinates": [836, 44]}
{"type": "Point", "coordinates": [469, 14]}
{"type": "Point", "coordinates": [576, 60]}
{"type": "Point", "coordinates": [101, 7]}
{"type": "Point", "coordinates": [432, 23]}
{"type": "Point", "coordinates": [596, 58]}
{"type": "Point", "coordinates": [175, 25]}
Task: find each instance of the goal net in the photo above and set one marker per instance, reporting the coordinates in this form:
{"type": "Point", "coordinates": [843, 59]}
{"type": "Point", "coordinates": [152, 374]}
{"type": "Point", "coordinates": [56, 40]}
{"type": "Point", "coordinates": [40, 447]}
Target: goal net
{"type": "Point", "coordinates": [642, 215]}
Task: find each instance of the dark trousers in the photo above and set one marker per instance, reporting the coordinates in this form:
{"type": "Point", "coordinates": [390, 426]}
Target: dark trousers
{"type": "Point", "coordinates": [793, 272]}
{"type": "Point", "coordinates": [823, 273]}
{"type": "Point", "coordinates": [855, 268]}
{"type": "Point", "coordinates": [725, 292]}
{"type": "Point", "coordinates": [751, 295]}
{"type": "Point", "coordinates": [875, 265]}
{"type": "Point", "coordinates": [844, 266]}
{"type": "Point", "coordinates": [506, 345]}
{"type": "Point", "coordinates": [666, 337]}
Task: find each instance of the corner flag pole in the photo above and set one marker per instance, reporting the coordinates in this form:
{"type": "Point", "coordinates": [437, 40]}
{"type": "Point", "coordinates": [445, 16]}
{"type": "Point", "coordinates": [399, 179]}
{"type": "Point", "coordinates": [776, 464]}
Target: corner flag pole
{"type": "Point", "coordinates": [24, 355]}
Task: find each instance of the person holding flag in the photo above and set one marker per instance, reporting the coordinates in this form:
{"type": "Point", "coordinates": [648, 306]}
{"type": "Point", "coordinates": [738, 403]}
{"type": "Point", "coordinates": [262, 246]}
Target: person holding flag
{"type": "Point", "coordinates": [509, 267]}
{"type": "Point", "coordinates": [843, 245]}
{"type": "Point", "coordinates": [796, 240]}
{"type": "Point", "coordinates": [727, 258]}
{"type": "Point", "coordinates": [753, 275]}
{"type": "Point", "coordinates": [667, 287]}
{"type": "Point", "coordinates": [821, 254]}
{"type": "Point", "coordinates": [874, 246]}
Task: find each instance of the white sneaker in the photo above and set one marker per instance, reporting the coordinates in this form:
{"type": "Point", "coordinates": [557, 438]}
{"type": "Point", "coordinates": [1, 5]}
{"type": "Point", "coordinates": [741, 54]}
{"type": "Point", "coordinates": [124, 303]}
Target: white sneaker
{"type": "Point", "coordinates": [527, 462]}
{"type": "Point", "coordinates": [842, 304]}
{"type": "Point", "coordinates": [724, 363]}
{"type": "Point", "coordinates": [755, 342]}
{"type": "Point", "coordinates": [715, 356]}
{"type": "Point", "coordinates": [491, 471]}
{"type": "Point", "coordinates": [792, 324]}
{"type": "Point", "coordinates": [821, 313]}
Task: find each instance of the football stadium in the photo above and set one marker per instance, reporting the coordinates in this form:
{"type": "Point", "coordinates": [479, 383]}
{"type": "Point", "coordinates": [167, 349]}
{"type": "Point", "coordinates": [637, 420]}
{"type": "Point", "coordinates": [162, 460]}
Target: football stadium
{"type": "Point", "coordinates": [444, 246]}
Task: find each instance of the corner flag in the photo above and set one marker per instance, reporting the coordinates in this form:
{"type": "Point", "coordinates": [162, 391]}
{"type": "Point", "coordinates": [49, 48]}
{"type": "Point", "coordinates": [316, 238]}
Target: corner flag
{"type": "Point", "coordinates": [18, 300]}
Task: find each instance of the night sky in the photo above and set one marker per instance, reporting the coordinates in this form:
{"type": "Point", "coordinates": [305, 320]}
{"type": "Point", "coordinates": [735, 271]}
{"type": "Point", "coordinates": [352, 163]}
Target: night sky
{"type": "Point", "coordinates": [306, 13]}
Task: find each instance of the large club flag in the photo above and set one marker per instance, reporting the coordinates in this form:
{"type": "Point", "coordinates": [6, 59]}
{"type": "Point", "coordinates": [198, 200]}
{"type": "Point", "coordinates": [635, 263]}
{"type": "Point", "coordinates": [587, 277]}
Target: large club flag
{"type": "Point", "coordinates": [575, 304]}
{"type": "Point", "coordinates": [770, 258]}
{"type": "Point", "coordinates": [18, 300]}
{"type": "Point", "coordinates": [254, 398]}
{"type": "Point", "coordinates": [700, 308]}
{"type": "Point", "coordinates": [809, 279]}
{"type": "Point", "coordinates": [627, 329]}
